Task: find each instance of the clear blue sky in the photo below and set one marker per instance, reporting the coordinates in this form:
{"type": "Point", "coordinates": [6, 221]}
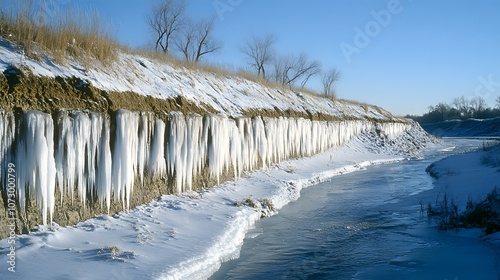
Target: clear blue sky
{"type": "Point", "coordinates": [426, 52]}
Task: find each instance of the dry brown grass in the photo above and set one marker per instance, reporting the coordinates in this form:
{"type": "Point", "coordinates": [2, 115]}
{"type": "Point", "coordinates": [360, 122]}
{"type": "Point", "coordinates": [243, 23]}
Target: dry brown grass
{"type": "Point", "coordinates": [83, 34]}
{"type": "Point", "coordinates": [367, 106]}
{"type": "Point", "coordinates": [222, 71]}
{"type": "Point", "coordinates": [61, 32]}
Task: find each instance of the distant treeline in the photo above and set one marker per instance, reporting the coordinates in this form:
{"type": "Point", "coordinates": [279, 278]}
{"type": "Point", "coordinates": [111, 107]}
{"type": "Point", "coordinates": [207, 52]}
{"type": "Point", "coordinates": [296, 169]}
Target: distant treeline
{"type": "Point", "coordinates": [461, 108]}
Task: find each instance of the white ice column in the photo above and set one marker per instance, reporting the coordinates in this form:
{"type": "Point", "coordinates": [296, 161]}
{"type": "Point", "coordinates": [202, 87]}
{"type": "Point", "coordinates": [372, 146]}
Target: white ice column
{"type": "Point", "coordinates": [125, 155]}
{"type": "Point", "coordinates": [36, 167]}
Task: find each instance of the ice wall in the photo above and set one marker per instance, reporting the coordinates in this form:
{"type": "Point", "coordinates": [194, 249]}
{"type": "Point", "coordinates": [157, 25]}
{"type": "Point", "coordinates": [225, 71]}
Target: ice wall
{"type": "Point", "coordinates": [93, 156]}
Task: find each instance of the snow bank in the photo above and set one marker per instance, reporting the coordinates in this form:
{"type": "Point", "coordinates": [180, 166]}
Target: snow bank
{"type": "Point", "coordinates": [465, 128]}
{"type": "Point", "coordinates": [465, 176]}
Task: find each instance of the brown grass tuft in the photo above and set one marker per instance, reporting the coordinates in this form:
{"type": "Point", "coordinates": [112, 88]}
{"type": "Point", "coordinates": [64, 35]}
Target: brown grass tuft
{"type": "Point", "coordinates": [61, 32]}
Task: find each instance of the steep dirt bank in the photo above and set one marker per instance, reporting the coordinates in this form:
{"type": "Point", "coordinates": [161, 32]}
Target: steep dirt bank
{"type": "Point", "coordinates": [21, 90]}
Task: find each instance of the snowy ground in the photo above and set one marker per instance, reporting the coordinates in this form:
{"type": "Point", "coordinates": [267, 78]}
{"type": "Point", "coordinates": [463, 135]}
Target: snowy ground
{"type": "Point", "coordinates": [467, 175]}
{"type": "Point", "coordinates": [177, 236]}
{"type": "Point", "coordinates": [472, 175]}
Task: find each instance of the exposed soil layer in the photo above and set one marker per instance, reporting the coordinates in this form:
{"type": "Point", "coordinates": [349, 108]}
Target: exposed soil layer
{"type": "Point", "coordinates": [25, 91]}
{"type": "Point", "coordinates": [22, 91]}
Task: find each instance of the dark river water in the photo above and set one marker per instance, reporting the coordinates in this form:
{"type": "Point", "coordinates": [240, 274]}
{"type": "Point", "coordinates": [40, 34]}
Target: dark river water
{"type": "Point", "coordinates": [362, 225]}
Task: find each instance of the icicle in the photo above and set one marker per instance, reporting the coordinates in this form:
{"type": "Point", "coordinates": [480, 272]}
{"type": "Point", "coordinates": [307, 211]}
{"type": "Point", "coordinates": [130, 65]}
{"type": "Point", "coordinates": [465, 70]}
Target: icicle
{"type": "Point", "coordinates": [125, 156]}
{"type": "Point", "coordinates": [35, 153]}
{"type": "Point", "coordinates": [259, 135]}
{"type": "Point", "coordinates": [82, 132]}
{"type": "Point", "coordinates": [176, 151]}
{"type": "Point", "coordinates": [157, 164]}
{"type": "Point", "coordinates": [195, 148]}
{"type": "Point", "coordinates": [104, 168]}
{"type": "Point", "coordinates": [393, 130]}
{"type": "Point", "coordinates": [77, 152]}
{"type": "Point", "coordinates": [65, 155]}
{"type": "Point", "coordinates": [145, 127]}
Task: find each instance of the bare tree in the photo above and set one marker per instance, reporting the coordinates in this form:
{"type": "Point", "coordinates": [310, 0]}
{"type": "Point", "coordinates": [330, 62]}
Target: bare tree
{"type": "Point", "coordinates": [291, 69]}
{"type": "Point", "coordinates": [498, 102]}
{"type": "Point", "coordinates": [205, 42]}
{"type": "Point", "coordinates": [282, 64]}
{"type": "Point", "coordinates": [185, 42]}
{"type": "Point", "coordinates": [477, 106]}
{"type": "Point", "coordinates": [260, 50]}
{"type": "Point", "coordinates": [328, 79]}
{"type": "Point", "coordinates": [306, 69]}
{"type": "Point", "coordinates": [166, 18]}
{"type": "Point", "coordinates": [469, 107]}
{"type": "Point", "coordinates": [462, 105]}
{"type": "Point", "coordinates": [197, 40]}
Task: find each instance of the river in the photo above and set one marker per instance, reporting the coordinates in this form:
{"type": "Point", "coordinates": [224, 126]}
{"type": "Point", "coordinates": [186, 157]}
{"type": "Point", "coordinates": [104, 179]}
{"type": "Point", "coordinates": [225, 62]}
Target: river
{"type": "Point", "coordinates": [363, 225]}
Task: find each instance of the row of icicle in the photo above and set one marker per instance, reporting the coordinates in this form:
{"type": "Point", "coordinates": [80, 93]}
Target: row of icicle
{"type": "Point", "coordinates": [88, 153]}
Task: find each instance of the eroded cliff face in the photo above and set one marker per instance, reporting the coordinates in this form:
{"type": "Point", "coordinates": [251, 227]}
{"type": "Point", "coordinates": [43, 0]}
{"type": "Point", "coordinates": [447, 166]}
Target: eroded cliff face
{"type": "Point", "coordinates": [79, 141]}
{"type": "Point", "coordinates": [74, 164]}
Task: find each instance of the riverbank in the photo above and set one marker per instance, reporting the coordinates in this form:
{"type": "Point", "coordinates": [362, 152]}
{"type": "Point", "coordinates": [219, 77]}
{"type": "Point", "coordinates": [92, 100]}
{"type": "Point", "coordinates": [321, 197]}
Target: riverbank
{"type": "Point", "coordinates": [456, 253]}
{"type": "Point", "coordinates": [187, 235]}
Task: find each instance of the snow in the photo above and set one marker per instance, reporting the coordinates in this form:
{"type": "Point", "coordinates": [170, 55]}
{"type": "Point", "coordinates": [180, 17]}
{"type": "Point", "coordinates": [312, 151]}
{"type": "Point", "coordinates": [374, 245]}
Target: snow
{"type": "Point", "coordinates": [463, 176]}
{"type": "Point", "coordinates": [228, 94]}
{"type": "Point", "coordinates": [189, 235]}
